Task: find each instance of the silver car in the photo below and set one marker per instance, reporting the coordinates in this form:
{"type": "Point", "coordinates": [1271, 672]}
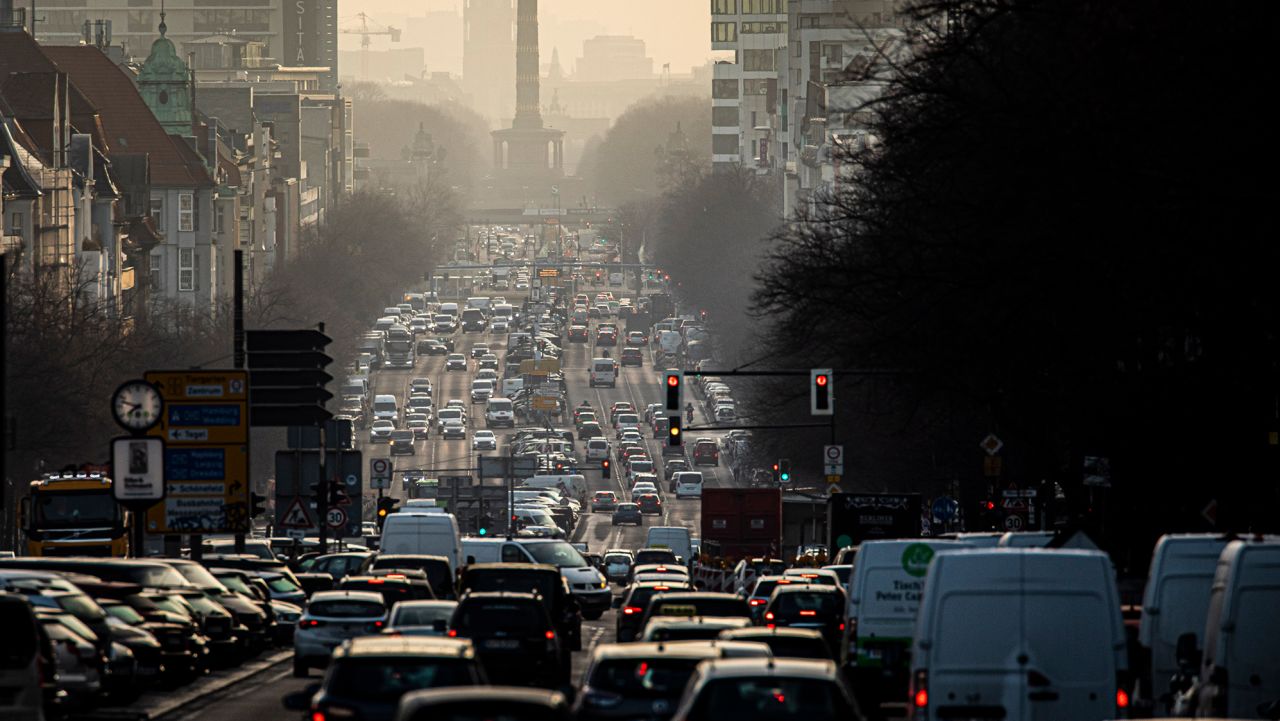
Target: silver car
{"type": "Point", "coordinates": [330, 618]}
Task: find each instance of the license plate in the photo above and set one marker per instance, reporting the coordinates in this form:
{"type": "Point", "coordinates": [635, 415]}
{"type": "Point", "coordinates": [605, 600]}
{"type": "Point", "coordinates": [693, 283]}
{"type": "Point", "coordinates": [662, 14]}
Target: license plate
{"type": "Point", "coordinates": [504, 644]}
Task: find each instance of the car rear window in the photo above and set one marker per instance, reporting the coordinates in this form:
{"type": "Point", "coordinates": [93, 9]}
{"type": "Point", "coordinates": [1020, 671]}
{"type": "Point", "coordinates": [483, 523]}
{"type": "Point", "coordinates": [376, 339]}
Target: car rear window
{"type": "Point", "coordinates": [644, 557]}
{"type": "Point", "coordinates": [702, 607]}
{"type": "Point", "coordinates": [488, 617]}
{"type": "Point", "coordinates": [660, 677]}
{"type": "Point", "coordinates": [389, 678]}
{"type": "Point", "coordinates": [792, 647]}
{"type": "Point", "coordinates": [509, 580]}
{"type": "Point", "coordinates": [822, 604]}
{"type": "Point", "coordinates": [346, 609]}
{"type": "Point", "coordinates": [766, 699]}
{"type": "Point", "coordinates": [764, 588]}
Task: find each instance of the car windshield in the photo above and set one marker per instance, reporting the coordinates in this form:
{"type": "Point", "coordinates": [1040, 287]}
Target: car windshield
{"type": "Point", "coordinates": [557, 553]}
{"type": "Point", "coordinates": [719, 607]}
{"type": "Point", "coordinates": [387, 679]}
{"type": "Point", "coordinates": [235, 583]}
{"type": "Point", "coordinates": [78, 508]}
{"type": "Point", "coordinates": [124, 613]}
{"type": "Point", "coordinates": [345, 608]}
{"type": "Point", "coordinates": [769, 698]}
{"type": "Point", "coordinates": [654, 677]}
{"type": "Point", "coordinates": [281, 584]}
{"type": "Point", "coordinates": [81, 606]}
{"type": "Point", "coordinates": [795, 647]}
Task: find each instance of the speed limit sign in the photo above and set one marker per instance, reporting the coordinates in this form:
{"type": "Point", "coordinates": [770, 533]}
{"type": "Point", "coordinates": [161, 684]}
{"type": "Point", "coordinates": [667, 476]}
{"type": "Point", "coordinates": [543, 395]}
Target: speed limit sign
{"type": "Point", "coordinates": [336, 517]}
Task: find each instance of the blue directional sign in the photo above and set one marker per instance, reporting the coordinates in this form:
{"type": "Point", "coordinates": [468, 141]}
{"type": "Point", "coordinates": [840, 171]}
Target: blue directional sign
{"type": "Point", "coordinates": [944, 508]}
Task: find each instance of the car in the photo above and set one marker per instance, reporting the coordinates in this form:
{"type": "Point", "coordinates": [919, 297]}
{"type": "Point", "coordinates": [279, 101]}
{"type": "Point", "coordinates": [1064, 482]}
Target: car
{"type": "Point", "coordinates": [499, 326]}
{"type": "Point", "coordinates": [617, 564]}
{"type": "Point", "coordinates": [418, 403]}
{"type": "Point", "coordinates": [394, 585]}
{"type": "Point", "coordinates": [420, 424]}
{"type": "Point", "coordinates": [688, 484]}
{"type": "Point", "coordinates": [784, 642]}
{"type": "Point", "coordinates": [680, 627]}
{"type": "Point", "coordinates": [820, 608]}
{"type": "Point", "coordinates": [381, 431]}
{"type": "Point", "coordinates": [578, 334]}
{"type": "Point", "coordinates": [432, 346]}
{"type": "Point", "coordinates": [672, 467]}
{"type": "Point", "coordinates": [590, 430]}
{"type": "Point", "coordinates": [631, 357]}
{"type": "Point", "coordinates": [450, 413]}
{"type": "Point", "coordinates": [706, 452]}
{"type": "Point", "coordinates": [368, 676]}
{"type": "Point", "coordinates": [420, 385]}
{"type": "Point", "coordinates": [455, 362]}
{"type": "Point", "coordinates": [479, 350]}
{"type": "Point", "coordinates": [604, 501]}
{"type": "Point", "coordinates": [661, 427]}
{"type": "Point", "coordinates": [484, 441]}
{"type": "Point", "coordinates": [649, 503]}
{"type": "Point", "coordinates": [402, 442]}
{"type": "Point", "coordinates": [634, 602]}
{"type": "Point", "coordinates": [637, 338]}
{"type": "Point", "coordinates": [597, 448]}
{"type": "Point", "coordinates": [544, 580]}
{"type": "Point", "coordinates": [605, 338]}
{"type": "Point", "coordinates": [765, 688]}
{"type": "Point", "coordinates": [760, 590]}
{"type": "Point", "coordinates": [481, 391]}
{"type": "Point", "coordinates": [628, 513]}
{"type": "Point", "coordinates": [514, 637]}
{"type": "Point", "coordinates": [642, 487]}
{"type": "Point", "coordinates": [330, 618]}
{"type": "Point", "coordinates": [453, 430]}
{"type": "Point", "coordinates": [487, 362]}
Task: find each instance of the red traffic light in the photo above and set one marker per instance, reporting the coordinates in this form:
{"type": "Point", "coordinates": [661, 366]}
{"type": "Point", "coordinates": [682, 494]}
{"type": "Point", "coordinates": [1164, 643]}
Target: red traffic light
{"type": "Point", "coordinates": [673, 380]}
{"type": "Point", "coordinates": [820, 380]}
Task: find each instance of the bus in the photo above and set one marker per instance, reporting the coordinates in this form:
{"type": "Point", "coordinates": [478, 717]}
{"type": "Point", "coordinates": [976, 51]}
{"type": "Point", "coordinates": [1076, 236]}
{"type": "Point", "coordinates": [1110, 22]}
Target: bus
{"type": "Point", "coordinates": [73, 514]}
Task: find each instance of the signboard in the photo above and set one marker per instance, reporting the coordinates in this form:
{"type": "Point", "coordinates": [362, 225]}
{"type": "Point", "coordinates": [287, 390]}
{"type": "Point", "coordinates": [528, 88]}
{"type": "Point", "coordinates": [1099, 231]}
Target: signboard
{"type": "Point", "coordinates": [991, 444]}
{"type": "Point", "coordinates": [856, 517]}
{"type": "Point", "coordinates": [541, 367]}
{"type": "Point", "coordinates": [380, 472]}
{"type": "Point", "coordinates": [138, 465]}
{"type": "Point", "coordinates": [944, 508]}
{"type": "Point", "coordinates": [295, 515]}
{"type": "Point", "coordinates": [297, 475]}
{"type": "Point", "coordinates": [833, 460]}
{"type": "Point", "coordinates": [205, 430]}
{"type": "Point", "coordinates": [1097, 471]}
{"type": "Point", "coordinates": [336, 518]}
{"type": "Point", "coordinates": [545, 403]}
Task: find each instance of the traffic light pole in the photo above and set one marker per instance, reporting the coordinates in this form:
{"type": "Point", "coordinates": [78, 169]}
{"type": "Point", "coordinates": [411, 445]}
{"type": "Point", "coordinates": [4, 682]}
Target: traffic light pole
{"type": "Point", "coordinates": [237, 355]}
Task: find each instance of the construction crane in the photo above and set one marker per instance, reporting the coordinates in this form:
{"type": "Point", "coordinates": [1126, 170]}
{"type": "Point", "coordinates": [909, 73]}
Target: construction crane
{"type": "Point", "coordinates": [365, 32]}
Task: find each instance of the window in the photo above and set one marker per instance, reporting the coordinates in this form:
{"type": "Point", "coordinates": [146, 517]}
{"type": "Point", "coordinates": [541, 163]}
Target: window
{"type": "Point", "coordinates": [186, 269]}
{"type": "Point", "coordinates": [157, 213]}
{"type": "Point", "coordinates": [724, 116]}
{"type": "Point", "coordinates": [724, 7]}
{"type": "Point", "coordinates": [757, 60]}
{"type": "Point", "coordinates": [764, 7]}
{"type": "Point", "coordinates": [217, 219]}
{"type": "Point", "coordinates": [142, 21]}
{"type": "Point", "coordinates": [724, 144]}
{"type": "Point", "coordinates": [16, 224]}
{"type": "Point", "coordinates": [833, 55]}
{"type": "Point", "coordinates": [228, 21]}
{"type": "Point", "coordinates": [756, 28]}
{"type": "Point", "coordinates": [755, 87]}
{"type": "Point", "coordinates": [724, 32]}
{"type": "Point", "coordinates": [754, 122]}
{"type": "Point", "coordinates": [724, 89]}
{"type": "Point", "coordinates": [186, 212]}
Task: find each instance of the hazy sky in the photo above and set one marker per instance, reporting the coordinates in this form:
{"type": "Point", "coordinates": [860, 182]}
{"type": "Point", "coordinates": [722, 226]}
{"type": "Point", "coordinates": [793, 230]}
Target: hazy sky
{"type": "Point", "coordinates": [675, 31]}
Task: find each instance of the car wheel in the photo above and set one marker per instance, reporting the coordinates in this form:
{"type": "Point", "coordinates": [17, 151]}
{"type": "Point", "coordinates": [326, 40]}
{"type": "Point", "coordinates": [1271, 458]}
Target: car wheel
{"type": "Point", "coordinates": [300, 668]}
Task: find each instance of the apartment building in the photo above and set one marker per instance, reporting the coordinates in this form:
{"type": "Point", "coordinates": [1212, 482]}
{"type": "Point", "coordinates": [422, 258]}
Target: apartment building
{"type": "Point", "coordinates": [748, 38]}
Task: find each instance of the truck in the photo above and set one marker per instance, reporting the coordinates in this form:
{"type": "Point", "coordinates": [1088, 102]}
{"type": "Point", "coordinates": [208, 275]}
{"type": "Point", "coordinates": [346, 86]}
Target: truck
{"type": "Point", "coordinates": [856, 517]}
{"type": "Point", "coordinates": [73, 514]}
{"type": "Point", "coordinates": [375, 345]}
{"type": "Point", "coordinates": [641, 321]}
{"type": "Point", "coordinates": [661, 305]}
{"type": "Point", "coordinates": [741, 522]}
{"type": "Point", "coordinates": [400, 353]}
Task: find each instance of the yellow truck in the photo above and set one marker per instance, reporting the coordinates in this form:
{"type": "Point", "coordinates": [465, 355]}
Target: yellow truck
{"type": "Point", "coordinates": [73, 514]}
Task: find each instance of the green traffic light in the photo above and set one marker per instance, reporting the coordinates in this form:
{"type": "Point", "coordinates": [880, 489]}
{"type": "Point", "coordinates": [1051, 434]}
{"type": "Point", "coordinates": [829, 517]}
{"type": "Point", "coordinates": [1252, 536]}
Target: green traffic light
{"type": "Point", "coordinates": [484, 531]}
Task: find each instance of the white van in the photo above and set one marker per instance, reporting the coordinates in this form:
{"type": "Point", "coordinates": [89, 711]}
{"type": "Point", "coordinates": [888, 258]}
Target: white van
{"type": "Point", "coordinates": [1240, 668]}
{"type": "Point", "coordinates": [1018, 633]}
{"type": "Point", "coordinates": [1174, 603]}
{"type": "Point", "coordinates": [499, 413]}
{"type": "Point", "coordinates": [883, 595]}
{"type": "Point", "coordinates": [418, 532]}
{"type": "Point", "coordinates": [604, 372]}
{"type": "Point", "coordinates": [688, 484]}
{"type": "Point", "coordinates": [677, 538]}
{"type": "Point", "coordinates": [572, 485]}
{"type": "Point", "coordinates": [597, 449]}
{"type": "Point", "coordinates": [385, 408]}
{"type": "Point", "coordinates": [448, 309]}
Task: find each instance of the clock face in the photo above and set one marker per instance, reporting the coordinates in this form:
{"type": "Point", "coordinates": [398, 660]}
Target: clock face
{"type": "Point", "coordinates": [137, 406]}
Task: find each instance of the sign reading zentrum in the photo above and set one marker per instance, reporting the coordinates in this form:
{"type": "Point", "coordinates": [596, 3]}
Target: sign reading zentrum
{"type": "Point", "coordinates": [206, 462]}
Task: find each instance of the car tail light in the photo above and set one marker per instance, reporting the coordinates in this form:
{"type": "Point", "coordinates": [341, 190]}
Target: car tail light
{"type": "Point", "coordinates": [378, 624]}
{"type": "Point", "coordinates": [920, 689]}
{"type": "Point", "coordinates": [308, 623]}
{"type": "Point", "coordinates": [453, 633]}
{"type": "Point", "coordinates": [1122, 699]}
{"type": "Point", "coordinates": [757, 602]}
{"type": "Point", "coordinates": [551, 635]}
{"type": "Point", "coordinates": [317, 716]}
{"type": "Point", "coordinates": [808, 613]}
{"type": "Point", "coordinates": [629, 610]}
{"type": "Point", "coordinates": [842, 625]}
{"type": "Point", "coordinates": [768, 616]}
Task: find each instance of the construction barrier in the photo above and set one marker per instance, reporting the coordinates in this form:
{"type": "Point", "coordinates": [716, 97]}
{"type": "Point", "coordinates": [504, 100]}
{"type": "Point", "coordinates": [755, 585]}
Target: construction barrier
{"type": "Point", "coordinates": [711, 578]}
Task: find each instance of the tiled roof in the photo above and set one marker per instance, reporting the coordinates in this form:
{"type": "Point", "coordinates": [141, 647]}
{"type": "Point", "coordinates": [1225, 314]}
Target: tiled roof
{"type": "Point", "coordinates": [23, 60]}
{"type": "Point", "coordinates": [127, 121]}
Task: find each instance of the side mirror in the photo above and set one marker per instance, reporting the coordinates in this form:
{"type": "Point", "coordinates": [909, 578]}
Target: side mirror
{"type": "Point", "coordinates": [1187, 652]}
{"type": "Point", "coordinates": [617, 602]}
{"type": "Point", "coordinates": [440, 625]}
{"type": "Point", "coordinates": [300, 700]}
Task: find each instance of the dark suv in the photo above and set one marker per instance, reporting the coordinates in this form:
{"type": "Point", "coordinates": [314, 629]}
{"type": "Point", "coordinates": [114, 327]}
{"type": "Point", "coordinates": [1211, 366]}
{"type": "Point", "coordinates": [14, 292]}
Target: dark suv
{"type": "Point", "coordinates": [514, 638]}
{"type": "Point", "coordinates": [544, 580]}
{"type": "Point", "coordinates": [820, 608]}
{"type": "Point", "coordinates": [436, 568]}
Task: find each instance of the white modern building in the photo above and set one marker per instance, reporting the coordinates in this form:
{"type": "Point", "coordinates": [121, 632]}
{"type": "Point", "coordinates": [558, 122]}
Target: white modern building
{"type": "Point", "coordinates": [748, 38]}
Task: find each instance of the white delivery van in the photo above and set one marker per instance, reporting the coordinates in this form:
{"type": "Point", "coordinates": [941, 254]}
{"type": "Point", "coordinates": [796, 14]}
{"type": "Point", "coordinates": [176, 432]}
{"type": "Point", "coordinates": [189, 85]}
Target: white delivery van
{"type": "Point", "coordinates": [677, 538]}
{"type": "Point", "coordinates": [573, 485]}
{"type": "Point", "coordinates": [1240, 667]}
{"type": "Point", "coordinates": [604, 372]}
{"type": "Point", "coordinates": [669, 341]}
{"type": "Point", "coordinates": [385, 408]}
{"type": "Point", "coordinates": [411, 531]}
{"type": "Point", "coordinates": [448, 309]}
{"type": "Point", "coordinates": [688, 484]}
{"type": "Point", "coordinates": [883, 595]}
{"type": "Point", "coordinates": [1174, 603]}
{"type": "Point", "coordinates": [499, 413]}
{"type": "Point", "coordinates": [597, 449]}
{"type": "Point", "coordinates": [1018, 633]}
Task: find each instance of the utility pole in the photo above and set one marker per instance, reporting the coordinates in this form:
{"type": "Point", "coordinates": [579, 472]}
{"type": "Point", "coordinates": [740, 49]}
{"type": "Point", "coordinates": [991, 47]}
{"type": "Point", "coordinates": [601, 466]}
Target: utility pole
{"type": "Point", "coordinates": [237, 332]}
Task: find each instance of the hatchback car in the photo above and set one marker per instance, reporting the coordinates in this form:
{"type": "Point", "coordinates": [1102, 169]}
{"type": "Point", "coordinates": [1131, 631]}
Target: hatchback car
{"type": "Point", "coordinates": [617, 564]}
{"type": "Point", "coordinates": [636, 338]}
{"type": "Point", "coordinates": [453, 431]}
{"type": "Point", "coordinates": [628, 513]}
{"type": "Point", "coordinates": [631, 357]}
{"type": "Point", "coordinates": [420, 618]}
{"type": "Point", "coordinates": [820, 608]}
{"type": "Point", "coordinates": [514, 637]}
{"type": "Point", "coordinates": [650, 503]}
{"type": "Point", "coordinates": [604, 501]}
{"type": "Point", "coordinates": [330, 618]}
{"type": "Point", "coordinates": [706, 452]}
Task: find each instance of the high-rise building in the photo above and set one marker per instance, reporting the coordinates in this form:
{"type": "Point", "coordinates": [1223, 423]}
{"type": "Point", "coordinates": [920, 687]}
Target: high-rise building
{"type": "Point", "coordinates": [298, 33]}
{"type": "Point", "coordinates": [613, 57]}
{"type": "Point", "coordinates": [488, 56]}
{"type": "Point", "coordinates": [751, 35]}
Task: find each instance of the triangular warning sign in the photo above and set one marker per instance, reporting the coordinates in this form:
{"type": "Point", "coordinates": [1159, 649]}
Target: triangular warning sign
{"type": "Point", "coordinates": [295, 516]}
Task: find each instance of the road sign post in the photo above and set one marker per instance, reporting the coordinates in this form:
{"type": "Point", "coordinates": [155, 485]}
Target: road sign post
{"type": "Point", "coordinates": [380, 473]}
{"type": "Point", "coordinates": [833, 460]}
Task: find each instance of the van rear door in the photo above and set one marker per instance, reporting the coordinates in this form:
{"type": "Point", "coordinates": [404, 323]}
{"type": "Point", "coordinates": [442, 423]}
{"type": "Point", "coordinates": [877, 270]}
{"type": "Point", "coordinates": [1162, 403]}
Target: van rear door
{"type": "Point", "coordinates": [973, 669]}
{"type": "Point", "coordinates": [1066, 676]}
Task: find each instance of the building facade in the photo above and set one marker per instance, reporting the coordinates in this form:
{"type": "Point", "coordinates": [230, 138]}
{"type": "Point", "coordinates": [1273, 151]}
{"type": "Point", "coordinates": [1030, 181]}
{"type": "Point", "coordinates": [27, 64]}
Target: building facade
{"type": "Point", "coordinates": [748, 39]}
{"type": "Point", "coordinates": [488, 57]}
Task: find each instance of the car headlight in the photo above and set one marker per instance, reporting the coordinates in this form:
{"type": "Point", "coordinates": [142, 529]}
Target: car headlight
{"type": "Point", "coordinates": [604, 584]}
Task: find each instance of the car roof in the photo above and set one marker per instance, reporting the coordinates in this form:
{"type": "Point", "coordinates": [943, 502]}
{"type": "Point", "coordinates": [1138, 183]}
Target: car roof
{"type": "Point", "coordinates": [761, 631]}
{"type": "Point", "coordinates": [369, 596]}
{"type": "Point", "coordinates": [366, 646]}
{"type": "Point", "coordinates": [701, 595]}
{"type": "Point", "coordinates": [655, 649]}
{"type": "Point", "coordinates": [682, 621]}
{"type": "Point", "coordinates": [791, 667]}
{"type": "Point", "coordinates": [413, 700]}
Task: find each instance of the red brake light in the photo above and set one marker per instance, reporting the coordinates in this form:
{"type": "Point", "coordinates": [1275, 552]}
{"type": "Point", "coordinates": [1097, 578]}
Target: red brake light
{"type": "Point", "coordinates": [308, 623]}
{"type": "Point", "coordinates": [842, 625]}
{"type": "Point", "coordinates": [808, 613]}
{"type": "Point", "coordinates": [1122, 698]}
{"type": "Point", "coordinates": [551, 635]}
{"type": "Point", "coordinates": [377, 624]}
{"type": "Point", "coordinates": [757, 601]}
{"type": "Point", "coordinates": [629, 610]}
{"type": "Point", "coordinates": [317, 716]}
{"type": "Point", "coordinates": [920, 689]}
{"type": "Point", "coordinates": [768, 616]}
{"type": "Point", "coordinates": [376, 581]}
{"type": "Point", "coordinates": [453, 633]}
{"type": "Point", "coordinates": [921, 698]}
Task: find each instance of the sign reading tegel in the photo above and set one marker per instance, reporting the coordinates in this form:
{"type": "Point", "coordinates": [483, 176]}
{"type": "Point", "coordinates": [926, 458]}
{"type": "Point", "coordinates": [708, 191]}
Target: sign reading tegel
{"type": "Point", "coordinates": [138, 469]}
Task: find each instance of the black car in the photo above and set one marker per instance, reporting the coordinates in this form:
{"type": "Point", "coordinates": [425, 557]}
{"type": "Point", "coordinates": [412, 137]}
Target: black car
{"type": "Point", "coordinates": [650, 503]}
{"type": "Point", "coordinates": [632, 605]}
{"type": "Point", "coordinates": [820, 608]}
{"type": "Point", "coordinates": [431, 346]}
{"type": "Point", "coordinates": [437, 569]}
{"type": "Point", "coordinates": [785, 642]}
{"type": "Point", "coordinates": [542, 579]}
{"type": "Point", "coordinates": [514, 637]}
{"type": "Point", "coordinates": [392, 588]}
{"type": "Point", "coordinates": [628, 513]}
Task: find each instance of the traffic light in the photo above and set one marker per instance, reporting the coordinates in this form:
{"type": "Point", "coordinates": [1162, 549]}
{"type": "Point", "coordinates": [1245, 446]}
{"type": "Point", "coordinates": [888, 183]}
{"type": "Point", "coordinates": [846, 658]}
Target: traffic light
{"type": "Point", "coordinates": [604, 469]}
{"type": "Point", "coordinates": [784, 470]}
{"type": "Point", "coordinates": [255, 504]}
{"type": "Point", "coordinates": [820, 392]}
{"type": "Point", "coordinates": [674, 382]}
{"type": "Point", "coordinates": [337, 493]}
{"type": "Point", "coordinates": [483, 525]}
{"type": "Point", "coordinates": [559, 466]}
{"type": "Point", "coordinates": [674, 437]}
{"type": "Point", "coordinates": [287, 378]}
{"type": "Point", "coordinates": [386, 506]}
{"type": "Point", "coordinates": [775, 474]}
